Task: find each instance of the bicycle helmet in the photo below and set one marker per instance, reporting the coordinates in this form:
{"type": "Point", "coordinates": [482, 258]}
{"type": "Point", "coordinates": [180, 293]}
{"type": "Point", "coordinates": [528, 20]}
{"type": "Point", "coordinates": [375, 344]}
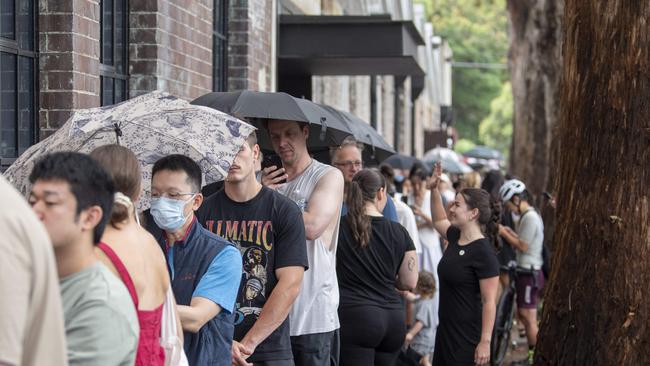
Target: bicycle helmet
{"type": "Point", "coordinates": [511, 188]}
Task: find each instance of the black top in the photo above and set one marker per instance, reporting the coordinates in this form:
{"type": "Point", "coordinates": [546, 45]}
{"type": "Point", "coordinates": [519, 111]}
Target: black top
{"type": "Point", "coordinates": [270, 233]}
{"type": "Point", "coordinates": [367, 275]}
{"type": "Point", "coordinates": [460, 311]}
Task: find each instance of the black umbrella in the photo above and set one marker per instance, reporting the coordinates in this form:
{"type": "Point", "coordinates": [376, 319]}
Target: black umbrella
{"type": "Point", "coordinates": [401, 161]}
{"type": "Point", "coordinates": [325, 128]}
{"type": "Point", "coordinates": [377, 149]}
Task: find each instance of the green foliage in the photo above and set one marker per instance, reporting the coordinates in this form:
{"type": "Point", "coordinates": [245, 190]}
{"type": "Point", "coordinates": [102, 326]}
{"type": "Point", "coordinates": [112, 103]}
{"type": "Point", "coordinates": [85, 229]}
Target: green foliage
{"type": "Point", "coordinates": [463, 145]}
{"type": "Point", "coordinates": [495, 131]}
{"type": "Point", "coordinates": [477, 32]}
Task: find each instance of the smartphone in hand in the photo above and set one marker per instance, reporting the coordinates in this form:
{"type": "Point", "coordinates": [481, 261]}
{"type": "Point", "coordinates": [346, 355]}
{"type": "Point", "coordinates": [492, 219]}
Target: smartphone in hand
{"type": "Point", "coordinates": [272, 160]}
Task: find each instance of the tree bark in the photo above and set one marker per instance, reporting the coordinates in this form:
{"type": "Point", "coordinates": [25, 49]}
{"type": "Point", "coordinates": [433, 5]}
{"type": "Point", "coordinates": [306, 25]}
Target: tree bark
{"type": "Point", "coordinates": [597, 309]}
{"type": "Point", "coordinates": [535, 62]}
{"type": "Point", "coordinates": [535, 59]}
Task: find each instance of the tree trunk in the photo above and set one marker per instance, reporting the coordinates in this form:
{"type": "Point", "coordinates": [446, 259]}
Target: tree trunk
{"type": "Point", "coordinates": [535, 63]}
{"type": "Point", "coordinates": [597, 309]}
{"type": "Point", "coordinates": [535, 71]}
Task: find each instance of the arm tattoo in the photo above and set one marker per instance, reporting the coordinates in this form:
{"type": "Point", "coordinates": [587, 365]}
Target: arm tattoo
{"type": "Point", "coordinates": [411, 264]}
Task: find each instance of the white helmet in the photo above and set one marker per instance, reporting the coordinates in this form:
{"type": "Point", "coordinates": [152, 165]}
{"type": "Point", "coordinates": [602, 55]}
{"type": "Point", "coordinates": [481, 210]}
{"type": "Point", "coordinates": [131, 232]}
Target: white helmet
{"type": "Point", "coordinates": [511, 188]}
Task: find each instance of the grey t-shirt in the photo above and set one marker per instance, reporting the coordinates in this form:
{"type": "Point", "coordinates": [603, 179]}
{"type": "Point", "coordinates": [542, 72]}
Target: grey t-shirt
{"type": "Point", "coordinates": [425, 312]}
{"type": "Point", "coordinates": [530, 229]}
{"type": "Point", "coordinates": [101, 324]}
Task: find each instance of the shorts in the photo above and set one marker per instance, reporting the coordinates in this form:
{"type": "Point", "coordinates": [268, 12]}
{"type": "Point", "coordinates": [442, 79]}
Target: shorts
{"type": "Point", "coordinates": [528, 288]}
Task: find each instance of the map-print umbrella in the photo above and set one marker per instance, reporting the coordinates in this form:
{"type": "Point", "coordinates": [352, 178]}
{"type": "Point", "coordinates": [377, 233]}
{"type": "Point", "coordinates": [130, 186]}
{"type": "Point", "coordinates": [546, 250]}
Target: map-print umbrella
{"type": "Point", "coordinates": [152, 126]}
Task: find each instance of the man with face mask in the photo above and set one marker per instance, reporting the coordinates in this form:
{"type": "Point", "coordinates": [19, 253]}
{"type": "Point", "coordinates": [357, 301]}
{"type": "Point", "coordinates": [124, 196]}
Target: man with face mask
{"type": "Point", "coordinates": [205, 269]}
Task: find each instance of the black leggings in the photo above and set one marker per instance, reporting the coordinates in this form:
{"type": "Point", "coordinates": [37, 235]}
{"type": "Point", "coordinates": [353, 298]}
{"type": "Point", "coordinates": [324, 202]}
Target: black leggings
{"type": "Point", "coordinates": [371, 335]}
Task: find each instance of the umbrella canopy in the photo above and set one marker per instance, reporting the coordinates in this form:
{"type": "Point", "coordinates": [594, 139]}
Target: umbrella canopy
{"type": "Point", "coordinates": [401, 161]}
{"type": "Point", "coordinates": [377, 148]}
{"type": "Point", "coordinates": [152, 126]}
{"type": "Point", "coordinates": [325, 128]}
{"type": "Point", "coordinates": [484, 152]}
{"type": "Point", "coordinates": [455, 167]}
{"type": "Point", "coordinates": [441, 153]}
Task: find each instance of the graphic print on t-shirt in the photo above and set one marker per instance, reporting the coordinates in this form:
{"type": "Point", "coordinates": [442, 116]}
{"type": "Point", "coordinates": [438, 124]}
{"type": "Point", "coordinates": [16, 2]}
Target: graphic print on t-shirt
{"type": "Point", "coordinates": [254, 239]}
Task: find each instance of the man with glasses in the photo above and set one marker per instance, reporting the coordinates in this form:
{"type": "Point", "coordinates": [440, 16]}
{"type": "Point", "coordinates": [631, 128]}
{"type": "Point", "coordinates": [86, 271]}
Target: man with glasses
{"type": "Point", "coordinates": [204, 268]}
{"type": "Point", "coordinates": [347, 158]}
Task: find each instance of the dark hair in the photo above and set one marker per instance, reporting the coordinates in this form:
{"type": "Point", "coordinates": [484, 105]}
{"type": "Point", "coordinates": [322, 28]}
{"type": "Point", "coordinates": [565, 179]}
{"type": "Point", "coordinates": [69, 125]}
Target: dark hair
{"type": "Point", "coordinates": [426, 283]}
{"type": "Point", "coordinates": [489, 211]}
{"type": "Point", "coordinates": [182, 163]}
{"type": "Point", "coordinates": [252, 139]}
{"type": "Point", "coordinates": [89, 182]}
{"type": "Point", "coordinates": [419, 170]}
{"type": "Point", "coordinates": [492, 183]}
{"type": "Point", "coordinates": [123, 167]}
{"type": "Point", "coordinates": [362, 189]}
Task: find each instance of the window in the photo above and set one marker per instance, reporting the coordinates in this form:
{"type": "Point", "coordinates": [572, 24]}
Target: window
{"type": "Point", "coordinates": [220, 46]}
{"type": "Point", "coordinates": [114, 50]}
{"type": "Point", "coordinates": [18, 78]}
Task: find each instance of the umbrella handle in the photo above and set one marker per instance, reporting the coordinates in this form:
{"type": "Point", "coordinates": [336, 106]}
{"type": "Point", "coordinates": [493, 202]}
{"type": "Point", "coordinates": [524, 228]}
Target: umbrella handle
{"type": "Point", "coordinates": [371, 145]}
{"type": "Point", "coordinates": [323, 128]}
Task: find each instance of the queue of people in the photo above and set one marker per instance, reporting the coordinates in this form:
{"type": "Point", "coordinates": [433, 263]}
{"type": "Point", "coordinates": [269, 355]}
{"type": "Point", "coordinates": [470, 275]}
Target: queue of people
{"type": "Point", "coordinates": [303, 264]}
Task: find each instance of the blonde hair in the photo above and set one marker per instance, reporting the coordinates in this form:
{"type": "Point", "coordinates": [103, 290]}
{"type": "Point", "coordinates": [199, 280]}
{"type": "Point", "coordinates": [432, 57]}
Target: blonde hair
{"type": "Point", "coordinates": [472, 180]}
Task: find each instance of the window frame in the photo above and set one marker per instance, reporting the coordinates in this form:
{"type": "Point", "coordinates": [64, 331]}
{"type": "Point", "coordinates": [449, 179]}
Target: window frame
{"type": "Point", "coordinates": [13, 47]}
{"type": "Point", "coordinates": [220, 76]}
{"type": "Point", "coordinates": [108, 71]}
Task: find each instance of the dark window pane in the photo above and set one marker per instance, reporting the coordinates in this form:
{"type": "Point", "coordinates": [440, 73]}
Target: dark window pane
{"type": "Point", "coordinates": [107, 90]}
{"type": "Point", "coordinates": [120, 35]}
{"type": "Point", "coordinates": [7, 13]}
{"type": "Point", "coordinates": [26, 24]}
{"type": "Point", "coordinates": [218, 15]}
{"type": "Point", "coordinates": [107, 32]}
{"type": "Point", "coordinates": [25, 103]}
{"type": "Point", "coordinates": [120, 90]}
{"type": "Point", "coordinates": [7, 105]}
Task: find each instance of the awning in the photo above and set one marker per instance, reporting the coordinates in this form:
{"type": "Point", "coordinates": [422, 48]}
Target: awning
{"type": "Point", "coordinates": [348, 45]}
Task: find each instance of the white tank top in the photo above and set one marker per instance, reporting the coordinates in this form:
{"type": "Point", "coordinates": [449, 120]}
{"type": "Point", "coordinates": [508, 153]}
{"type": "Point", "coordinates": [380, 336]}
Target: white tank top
{"type": "Point", "coordinates": [316, 308]}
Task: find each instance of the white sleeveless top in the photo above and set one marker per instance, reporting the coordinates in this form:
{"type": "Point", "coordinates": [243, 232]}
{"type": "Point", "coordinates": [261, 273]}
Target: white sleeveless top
{"type": "Point", "coordinates": [316, 308]}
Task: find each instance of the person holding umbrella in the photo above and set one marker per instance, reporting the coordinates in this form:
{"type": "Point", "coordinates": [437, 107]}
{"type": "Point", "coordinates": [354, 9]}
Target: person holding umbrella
{"type": "Point", "coordinates": [318, 190]}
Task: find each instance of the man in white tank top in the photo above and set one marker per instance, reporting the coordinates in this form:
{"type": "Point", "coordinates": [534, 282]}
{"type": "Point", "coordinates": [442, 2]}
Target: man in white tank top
{"type": "Point", "coordinates": [318, 190]}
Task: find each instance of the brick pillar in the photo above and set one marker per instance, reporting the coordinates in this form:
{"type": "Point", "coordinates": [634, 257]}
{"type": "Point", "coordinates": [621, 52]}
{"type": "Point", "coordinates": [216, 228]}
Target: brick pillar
{"type": "Point", "coordinates": [69, 60]}
{"type": "Point", "coordinates": [170, 47]}
{"type": "Point", "coordinates": [250, 24]}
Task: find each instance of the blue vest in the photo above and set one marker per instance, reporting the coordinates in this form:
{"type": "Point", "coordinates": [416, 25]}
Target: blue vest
{"type": "Point", "coordinates": [191, 259]}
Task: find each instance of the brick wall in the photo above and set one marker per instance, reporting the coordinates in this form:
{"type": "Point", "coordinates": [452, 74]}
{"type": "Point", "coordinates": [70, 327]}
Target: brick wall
{"type": "Point", "coordinates": [69, 60]}
{"type": "Point", "coordinates": [250, 43]}
{"type": "Point", "coordinates": [171, 47]}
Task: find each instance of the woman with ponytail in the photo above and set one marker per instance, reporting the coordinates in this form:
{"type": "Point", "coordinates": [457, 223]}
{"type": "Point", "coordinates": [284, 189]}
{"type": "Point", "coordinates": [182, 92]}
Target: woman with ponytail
{"type": "Point", "coordinates": [469, 275]}
{"type": "Point", "coordinates": [133, 254]}
{"type": "Point", "coordinates": [374, 257]}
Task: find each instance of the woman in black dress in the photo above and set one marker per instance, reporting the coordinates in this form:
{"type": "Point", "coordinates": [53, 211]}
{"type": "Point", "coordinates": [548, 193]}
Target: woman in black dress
{"type": "Point", "coordinates": [469, 275]}
{"type": "Point", "coordinates": [374, 257]}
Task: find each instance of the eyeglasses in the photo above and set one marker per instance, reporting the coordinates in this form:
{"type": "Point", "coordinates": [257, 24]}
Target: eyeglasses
{"type": "Point", "coordinates": [348, 164]}
{"type": "Point", "coordinates": [175, 196]}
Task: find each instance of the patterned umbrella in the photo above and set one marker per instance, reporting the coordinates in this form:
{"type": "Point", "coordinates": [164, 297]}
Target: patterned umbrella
{"type": "Point", "coordinates": [152, 126]}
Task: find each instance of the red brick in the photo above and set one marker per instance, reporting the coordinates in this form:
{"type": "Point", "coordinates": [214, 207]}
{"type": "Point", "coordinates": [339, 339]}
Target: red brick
{"type": "Point", "coordinates": [61, 42]}
{"type": "Point", "coordinates": [59, 80]}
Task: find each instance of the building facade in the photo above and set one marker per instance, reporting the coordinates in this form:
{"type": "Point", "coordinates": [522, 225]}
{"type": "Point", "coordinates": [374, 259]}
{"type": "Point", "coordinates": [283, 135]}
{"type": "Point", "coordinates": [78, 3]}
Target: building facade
{"type": "Point", "coordinates": [60, 56]}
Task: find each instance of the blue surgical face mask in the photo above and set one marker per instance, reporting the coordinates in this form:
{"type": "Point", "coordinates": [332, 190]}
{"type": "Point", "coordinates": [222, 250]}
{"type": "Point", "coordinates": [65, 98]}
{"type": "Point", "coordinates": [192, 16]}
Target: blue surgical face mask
{"type": "Point", "coordinates": [169, 213]}
{"type": "Point", "coordinates": [399, 178]}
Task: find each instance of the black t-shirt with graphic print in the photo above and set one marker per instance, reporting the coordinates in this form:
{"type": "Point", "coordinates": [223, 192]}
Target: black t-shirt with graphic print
{"type": "Point", "coordinates": [270, 233]}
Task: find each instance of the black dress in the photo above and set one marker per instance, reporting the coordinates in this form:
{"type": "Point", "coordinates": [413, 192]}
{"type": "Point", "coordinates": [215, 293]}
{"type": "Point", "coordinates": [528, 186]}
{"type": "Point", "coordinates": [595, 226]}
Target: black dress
{"type": "Point", "coordinates": [460, 311]}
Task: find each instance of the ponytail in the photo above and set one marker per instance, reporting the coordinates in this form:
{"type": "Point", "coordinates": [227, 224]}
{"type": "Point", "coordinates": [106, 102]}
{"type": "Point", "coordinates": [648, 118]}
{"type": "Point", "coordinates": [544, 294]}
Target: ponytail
{"type": "Point", "coordinates": [120, 213]}
{"type": "Point", "coordinates": [363, 188]}
{"type": "Point", "coordinates": [357, 218]}
{"type": "Point", "coordinates": [492, 227]}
